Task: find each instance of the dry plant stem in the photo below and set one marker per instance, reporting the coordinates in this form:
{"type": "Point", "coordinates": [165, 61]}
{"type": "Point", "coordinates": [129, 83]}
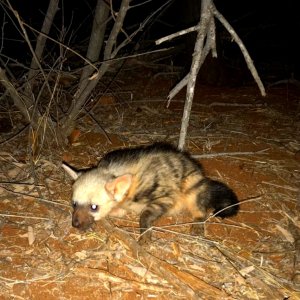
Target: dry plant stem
{"type": "Point", "coordinates": [110, 52]}
{"type": "Point", "coordinates": [80, 97]}
{"type": "Point", "coordinates": [211, 38]}
{"type": "Point", "coordinates": [60, 44]}
{"type": "Point", "coordinates": [236, 38]}
{"type": "Point", "coordinates": [209, 45]}
{"type": "Point", "coordinates": [96, 40]}
{"type": "Point", "coordinates": [111, 42]}
{"type": "Point", "coordinates": [141, 27]}
{"type": "Point", "coordinates": [198, 51]}
{"type": "Point", "coordinates": [183, 82]}
{"type": "Point", "coordinates": [8, 71]}
{"type": "Point", "coordinates": [106, 276]}
{"type": "Point", "coordinates": [21, 23]}
{"type": "Point", "coordinates": [18, 101]}
{"type": "Point", "coordinates": [231, 104]}
{"type": "Point", "coordinates": [89, 113]}
{"type": "Point", "coordinates": [237, 259]}
{"type": "Point", "coordinates": [176, 34]}
{"type": "Point", "coordinates": [16, 135]}
{"type": "Point", "coordinates": [37, 198]}
{"type": "Point", "coordinates": [23, 217]}
{"type": "Point", "coordinates": [210, 155]}
{"type": "Point", "coordinates": [185, 282]}
{"type": "Point", "coordinates": [281, 186]}
{"type": "Point", "coordinates": [286, 81]}
{"type": "Point", "coordinates": [40, 44]}
{"type": "Point", "coordinates": [37, 122]}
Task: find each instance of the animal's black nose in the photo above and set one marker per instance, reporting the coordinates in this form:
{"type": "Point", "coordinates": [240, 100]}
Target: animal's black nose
{"type": "Point", "coordinates": [75, 223]}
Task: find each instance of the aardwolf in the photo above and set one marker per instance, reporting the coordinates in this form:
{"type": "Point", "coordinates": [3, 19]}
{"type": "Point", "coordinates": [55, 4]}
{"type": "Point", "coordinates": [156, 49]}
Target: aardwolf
{"type": "Point", "coordinates": [151, 180]}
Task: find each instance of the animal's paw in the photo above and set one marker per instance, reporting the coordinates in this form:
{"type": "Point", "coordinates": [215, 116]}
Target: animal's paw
{"type": "Point", "coordinates": [145, 239]}
{"type": "Point", "coordinates": [197, 229]}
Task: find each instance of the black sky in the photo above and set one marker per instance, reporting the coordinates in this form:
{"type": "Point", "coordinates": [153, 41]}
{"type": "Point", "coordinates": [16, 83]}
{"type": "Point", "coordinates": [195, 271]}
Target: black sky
{"type": "Point", "coordinates": [269, 29]}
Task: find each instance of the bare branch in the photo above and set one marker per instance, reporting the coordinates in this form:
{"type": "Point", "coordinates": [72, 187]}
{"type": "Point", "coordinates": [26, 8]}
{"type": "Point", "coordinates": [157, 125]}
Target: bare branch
{"type": "Point", "coordinates": [247, 57]}
{"type": "Point", "coordinates": [209, 45]}
{"type": "Point", "coordinates": [18, 101]}
{"type": "Point", "coordinates": [176, 34]}
{"type": "Point", "coordinates": [116, 29]}
{"type": "Point", "coordinates": [62, 45]}
{"type": "Point", "coordinates": [196, 63]}
{"type": "Point", "coordinates": [96, 41]}
{"type": "Point", "coordinates": [81, 96]}
{"type": "Point", "coordinates": [40, 43]}
{"type": "Point", "coordinates": [141, 27]}
{"type": "Point", "coordinates": [212, 155]}
{"type": "Point", "coordinates": [21, 23]}
{"type": "Point", "coordinates": [141, 4]}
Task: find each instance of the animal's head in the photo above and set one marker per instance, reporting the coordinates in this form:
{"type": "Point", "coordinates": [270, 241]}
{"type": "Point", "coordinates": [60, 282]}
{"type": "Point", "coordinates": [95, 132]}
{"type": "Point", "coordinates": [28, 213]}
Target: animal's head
{"type": "Point", "coordinates": [95, 194]}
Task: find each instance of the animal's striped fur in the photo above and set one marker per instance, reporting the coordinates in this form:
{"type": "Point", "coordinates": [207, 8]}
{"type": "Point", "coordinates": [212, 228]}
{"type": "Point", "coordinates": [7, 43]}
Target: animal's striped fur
{"type": "Point", "coordinates": [153, 181]}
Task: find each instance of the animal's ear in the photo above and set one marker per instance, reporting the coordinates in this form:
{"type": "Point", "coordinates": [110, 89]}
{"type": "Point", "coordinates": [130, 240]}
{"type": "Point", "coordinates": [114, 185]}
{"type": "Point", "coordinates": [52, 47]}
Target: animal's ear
{"type": "Point", "coordinates": [119, 187]}
{"type": "Point", "coordinates": [72, 173]}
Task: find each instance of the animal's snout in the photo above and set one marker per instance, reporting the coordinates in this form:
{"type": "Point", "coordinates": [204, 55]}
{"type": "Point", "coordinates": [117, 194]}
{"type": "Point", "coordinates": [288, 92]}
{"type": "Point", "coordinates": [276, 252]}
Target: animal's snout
{"type": "Point", "coordinates": [75, 222]}
{"type": "Point", "coordinates": [81, 218]}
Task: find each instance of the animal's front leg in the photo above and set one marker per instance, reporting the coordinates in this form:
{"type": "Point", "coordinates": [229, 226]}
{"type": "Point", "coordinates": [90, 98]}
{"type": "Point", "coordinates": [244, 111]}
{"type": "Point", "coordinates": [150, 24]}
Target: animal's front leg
{"type": "Point", "coordinates": [151, 213]}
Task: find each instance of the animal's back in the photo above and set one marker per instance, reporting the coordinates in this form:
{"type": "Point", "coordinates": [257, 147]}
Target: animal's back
{"type": "Point", "coordinates": [161, 163]}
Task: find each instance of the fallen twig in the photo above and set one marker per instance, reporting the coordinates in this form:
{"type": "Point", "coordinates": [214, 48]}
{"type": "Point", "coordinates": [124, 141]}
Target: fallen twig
{"type": "Point", "coordinates": [23, 217]}
{"type": "Point", "coordinates": [210, 155]}
{"type": "Point", "coordinates": [187, 283]}
{"type": "Point", "coordinates": [286, 187]}
{"type": "Point", "coordinates": [106, 276]}
{"type": "Point", "coordinates": [34, 197]}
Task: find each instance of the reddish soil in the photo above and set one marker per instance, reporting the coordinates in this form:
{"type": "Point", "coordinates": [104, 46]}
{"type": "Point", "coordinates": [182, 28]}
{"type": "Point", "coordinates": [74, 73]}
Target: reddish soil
{"type": "Point", "coordinates": [254, 255]}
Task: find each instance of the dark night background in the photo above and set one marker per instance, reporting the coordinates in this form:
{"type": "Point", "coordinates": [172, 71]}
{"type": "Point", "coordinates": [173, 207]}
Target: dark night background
{"type": "Point", "coordinates": [269, 29]}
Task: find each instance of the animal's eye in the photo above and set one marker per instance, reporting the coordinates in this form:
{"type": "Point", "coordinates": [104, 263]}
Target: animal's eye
{"type": "Point", "coordinates": [74, 204]}
{"type": "Point", "coordinates": [94, 207]}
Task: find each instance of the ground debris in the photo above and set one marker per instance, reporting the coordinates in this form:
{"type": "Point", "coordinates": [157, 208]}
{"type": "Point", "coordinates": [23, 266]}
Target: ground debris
{"type": "Point", "coordinates": [254, 255]}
